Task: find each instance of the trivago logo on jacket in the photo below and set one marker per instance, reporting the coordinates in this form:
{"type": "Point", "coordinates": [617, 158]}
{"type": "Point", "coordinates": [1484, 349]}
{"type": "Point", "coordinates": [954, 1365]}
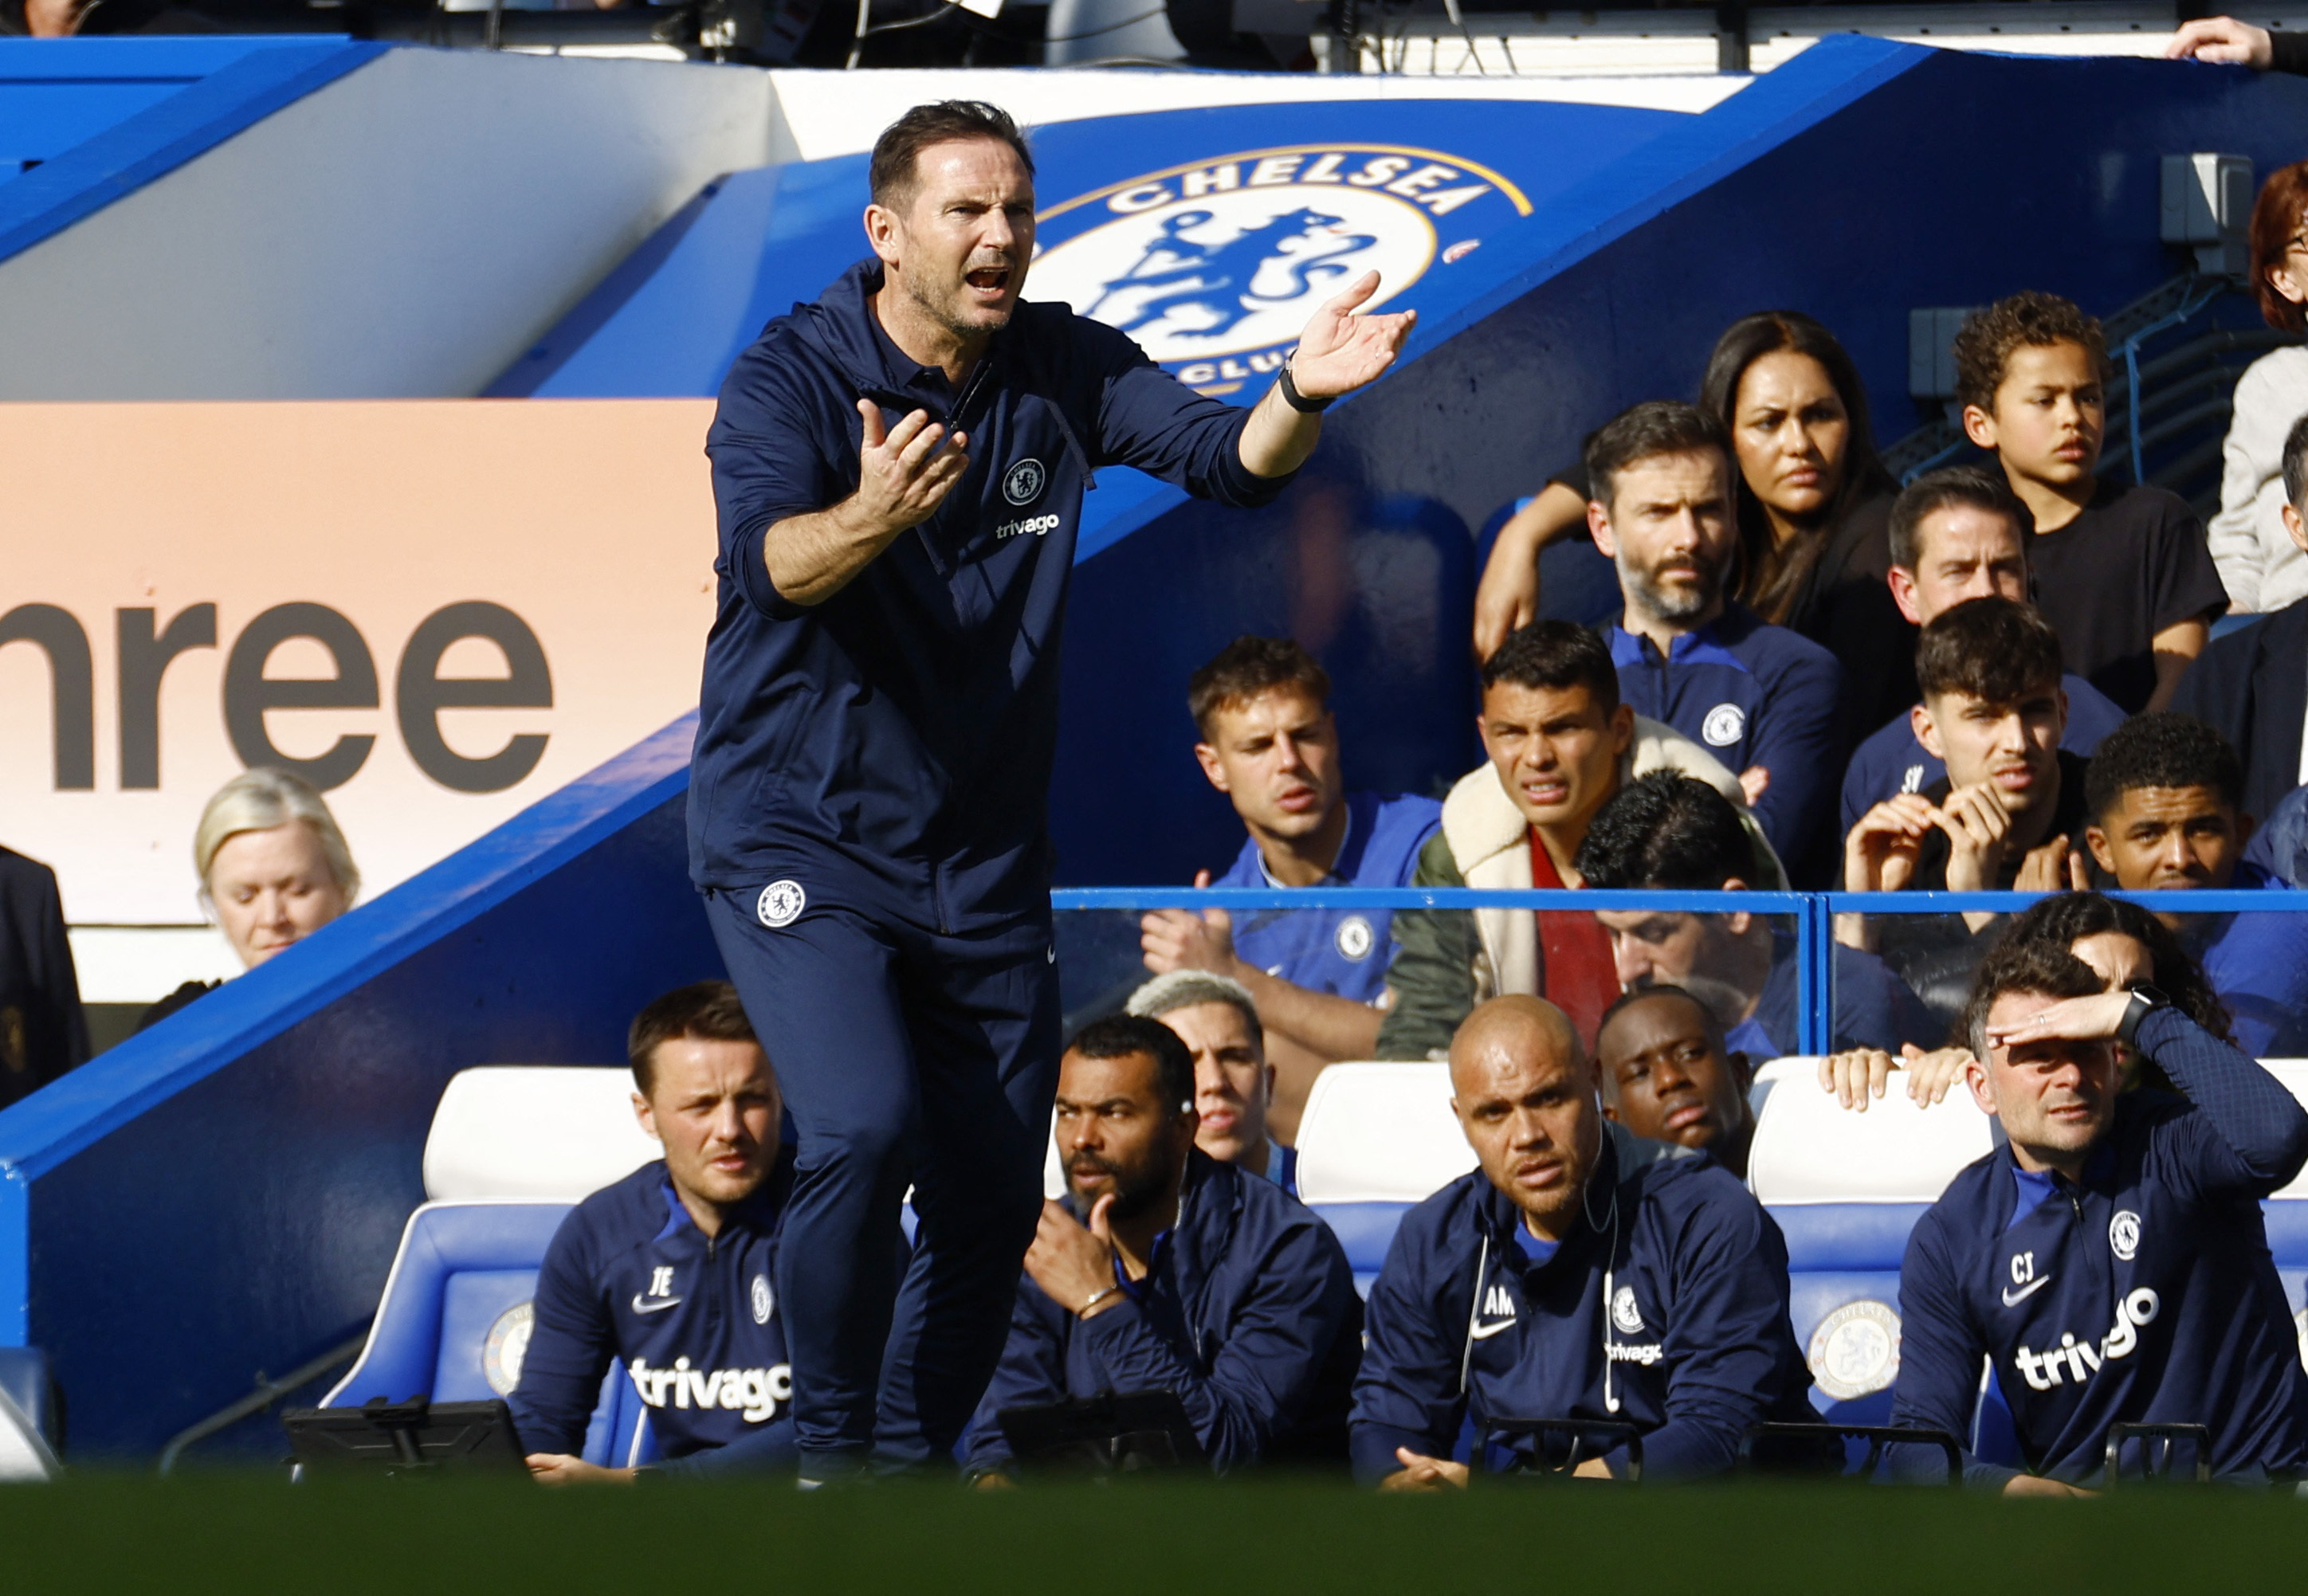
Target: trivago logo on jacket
{"type": "Point", "coordinates": [1215, 266]}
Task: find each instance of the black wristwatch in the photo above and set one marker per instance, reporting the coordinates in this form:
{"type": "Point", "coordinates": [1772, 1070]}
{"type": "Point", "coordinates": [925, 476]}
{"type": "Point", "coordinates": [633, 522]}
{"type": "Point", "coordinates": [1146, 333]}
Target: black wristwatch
{"type": "Point", "coordinates": [2145, 1000]}
{"type": "Point", "coordinates": [1299, 402]}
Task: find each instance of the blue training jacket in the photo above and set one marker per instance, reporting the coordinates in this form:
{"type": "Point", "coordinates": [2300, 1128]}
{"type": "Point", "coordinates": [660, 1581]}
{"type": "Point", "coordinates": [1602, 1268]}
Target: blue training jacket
{"type": "Point", "coordinates": [908, 723]}
{"type": "Point", "coordinates": [2257, 964]}
{"type": "Point", "coordinates": [1691, 1341]}
{"type": "Point", "coordinates": [631, 1280]}
{"type": "Point", "coordinates": [1344, 952]}
{"type": "Point", "coordinates": [1751, 693]}
{"type": "Point", "coordinates": [1892, 762]}
{"type": "Point", "coordinates": [1248, 1313]}
{"type": "Point", "coordinates": [2144, 1293]}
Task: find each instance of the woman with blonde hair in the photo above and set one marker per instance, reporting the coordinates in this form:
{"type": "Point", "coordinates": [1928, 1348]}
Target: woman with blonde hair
{"type": "Point", "coordinates": [274, 869]}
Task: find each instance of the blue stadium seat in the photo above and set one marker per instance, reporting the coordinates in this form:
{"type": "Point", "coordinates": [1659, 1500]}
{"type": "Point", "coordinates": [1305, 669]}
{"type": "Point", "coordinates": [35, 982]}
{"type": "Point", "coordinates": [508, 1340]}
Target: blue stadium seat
{"type": "Point", "coordinates": [1846, 1189]}
{"type": "Point", "coordinates": [512, 1150]}
{"type": "Point", "coordinates": [1376, 1140]}
{"type": "Point", "coordinates": [2287, 1215]}
{"type": "Point", "coordinates": [455, 1319]}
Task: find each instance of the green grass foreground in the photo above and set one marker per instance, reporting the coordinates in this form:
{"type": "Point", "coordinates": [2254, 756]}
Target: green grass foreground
{"type": "Point", "coordinates": [250, 1535]}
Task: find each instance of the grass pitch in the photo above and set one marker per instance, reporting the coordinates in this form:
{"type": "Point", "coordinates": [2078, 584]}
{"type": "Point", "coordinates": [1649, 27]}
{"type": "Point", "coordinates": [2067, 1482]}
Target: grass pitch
{"type": "Point", "coordinates": [253, 1533]}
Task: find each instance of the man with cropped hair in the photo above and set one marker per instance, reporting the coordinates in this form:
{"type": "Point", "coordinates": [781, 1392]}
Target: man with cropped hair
{"type": "Point", "coordinates": [1165, 1270]}
{"type": "Point", "coordinates": [1234, 1084]}
{"type": "Point", "coordinates": [899, 468]}
{"type": "Point", "coordinates": [1664, 831]}
{"type": "Point", "coordinates": [1957, 533]}
{"type": "Point", "coordinates": [1667, 1076]}
{"type": "Point", "coordinates": [2250, 684]}
{"type": "Point", "coordinates": [1760, 698]}
{"type": "Point", "coordinates": [2124, 574]}
{"type": "Point", "coordinates": [1271, 743]}
{"type": "Point", "coordinates": [669, 1273]}
{"type": "Point", "coordinates": [1560, 744]}
{"type": "Point", "coordinates": [2164, 798]}
{"type": "Point", "coordinates": [2108, 1257]}
{"type": "Point", "coordinates": [1577, 1272]}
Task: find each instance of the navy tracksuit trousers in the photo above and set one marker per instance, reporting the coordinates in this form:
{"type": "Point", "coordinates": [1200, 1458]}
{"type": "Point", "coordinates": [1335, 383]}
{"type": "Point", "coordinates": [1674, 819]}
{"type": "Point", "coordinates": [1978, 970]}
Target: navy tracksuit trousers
{"type": "Point", "coordinates": [905, 1056]}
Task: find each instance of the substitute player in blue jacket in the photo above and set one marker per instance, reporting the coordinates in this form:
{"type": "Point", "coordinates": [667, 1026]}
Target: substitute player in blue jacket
{"type": "Point", "coordinates": [667, 1274]}
{"type": "Point", "coordinates": [2110, 1257]}
{"type": "Point", "coordinates": [899, 469]}
{"type": "Point", "coordinates": [1165, 1270]}
{"type": "Point", "coordinates": [1579, 1273]}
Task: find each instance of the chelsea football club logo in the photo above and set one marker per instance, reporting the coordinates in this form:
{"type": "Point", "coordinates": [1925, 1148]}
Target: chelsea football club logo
{"type": "Point", "coordinates": [1216, 267]}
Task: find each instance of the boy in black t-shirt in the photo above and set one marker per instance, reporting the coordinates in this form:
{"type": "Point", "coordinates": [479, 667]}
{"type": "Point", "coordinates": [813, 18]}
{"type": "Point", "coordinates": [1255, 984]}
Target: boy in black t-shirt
{"type": "Point", "coordinates": [2122, 573]}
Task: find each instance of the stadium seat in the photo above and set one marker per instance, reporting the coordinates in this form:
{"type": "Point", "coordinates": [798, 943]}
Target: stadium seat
{"type": "Point", "coordinates": [1845, 1189]}
{"type": "Point", "coordinates": [2288, 1214]}
{"type": "Point", "coordinates": [512, 1150]}
{"type": "Point", "coordinates": [538, 1132]}
{"type": "Point", "coordinates": [28, 1440]}
{"type": "Point", "coordinates": [1375, 1140]}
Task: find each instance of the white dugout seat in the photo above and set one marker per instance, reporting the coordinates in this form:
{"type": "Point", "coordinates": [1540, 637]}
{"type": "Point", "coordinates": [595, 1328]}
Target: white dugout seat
{"type": "Point", "coordinates": [512, 1150]}
{"type": "Point", "coordinates": [1375, 1140]}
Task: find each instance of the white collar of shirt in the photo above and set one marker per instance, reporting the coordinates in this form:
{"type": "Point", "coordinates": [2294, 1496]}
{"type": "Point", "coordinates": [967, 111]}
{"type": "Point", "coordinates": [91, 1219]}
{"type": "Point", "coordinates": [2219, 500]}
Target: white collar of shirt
{"type": "Point", "coordinates": [1328, 876]}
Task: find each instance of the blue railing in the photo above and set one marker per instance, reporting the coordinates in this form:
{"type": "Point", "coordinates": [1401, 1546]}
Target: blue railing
{"type": "Point", "coordinates": [1811, 914]}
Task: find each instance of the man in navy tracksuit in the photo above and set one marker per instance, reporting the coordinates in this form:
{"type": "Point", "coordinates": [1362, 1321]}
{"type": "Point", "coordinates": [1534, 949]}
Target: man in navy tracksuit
{"type": "Point", "coordinates": [899, 469]}
{"type": "Point", "coordinates": [667, 1273]}
{"type": "Point", "coordinates": [2110, 1257]}
{"type": "Point", "coordinates": [1761, 698]}
{"type": "Point", "coordinates": [1166, 1270]}
{"type": "Point", "coordinates": [1580, 1273]}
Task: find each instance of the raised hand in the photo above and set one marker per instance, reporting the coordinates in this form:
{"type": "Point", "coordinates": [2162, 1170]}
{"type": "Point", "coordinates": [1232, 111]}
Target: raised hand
{"type": "Point", "coordinates": [1073, 1263]}
{"type": "Point", "coordinates": [1183, 939]}
{"type": "Point", "coordinates": [904, 473]}
{"type": "Point", "coordinates": [2055, 866]}
{"type": "Point", "coordinates": [1978, 826]}
{"type": "Point", "coordinates": [1880, 854]}
{"type": "Point", "coordinates": [2223, 41]}
{"type": "Point", "coordinates": [2095, 1018]}
{"type": "Point", "coordinates": [1340, 350]}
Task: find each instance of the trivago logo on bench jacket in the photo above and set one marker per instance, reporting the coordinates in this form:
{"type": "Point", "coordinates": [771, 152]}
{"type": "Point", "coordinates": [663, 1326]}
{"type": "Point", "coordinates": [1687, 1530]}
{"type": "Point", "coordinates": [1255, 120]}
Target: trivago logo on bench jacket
{"type": "Point", "coordinates": [1216, 266]}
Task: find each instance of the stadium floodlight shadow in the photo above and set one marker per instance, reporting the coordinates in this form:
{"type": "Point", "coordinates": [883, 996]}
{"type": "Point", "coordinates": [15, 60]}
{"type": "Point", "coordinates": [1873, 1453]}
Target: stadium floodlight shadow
{"type": "Point", "coordinates": [2156, 1460]}
{"type": "Point", "coordinates": [1796, 1448]}
{"type": "Point", "coordinates": [1608, 1435]}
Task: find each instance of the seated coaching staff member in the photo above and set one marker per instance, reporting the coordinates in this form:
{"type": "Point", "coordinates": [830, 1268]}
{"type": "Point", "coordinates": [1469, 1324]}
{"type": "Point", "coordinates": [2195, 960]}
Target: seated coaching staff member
{"type": "Point", "coordinates": [900, 469]}
{"type": "Point", "coordinates": [1165, 1269]}
{"type": "Point", "coordinates": [1579, 1273]}
{"type": "Point", "coordinates": [2110, 1257]}
{"type": "Point", "coordinates": [668, 1271]}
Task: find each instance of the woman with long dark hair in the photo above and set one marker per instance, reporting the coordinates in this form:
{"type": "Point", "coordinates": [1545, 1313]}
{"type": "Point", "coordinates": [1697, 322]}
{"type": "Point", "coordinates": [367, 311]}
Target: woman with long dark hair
{"type": "Point", "coordinates": [1815, 511]}
{"type": "Point", "coordinates": [2126, 944]}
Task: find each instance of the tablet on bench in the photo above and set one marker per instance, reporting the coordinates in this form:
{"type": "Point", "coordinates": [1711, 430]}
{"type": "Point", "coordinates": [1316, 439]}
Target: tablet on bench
{"type": "Point", "coordinates": [416, 1436]}
{"type": "Point", "coordinates": [1123, 1433]}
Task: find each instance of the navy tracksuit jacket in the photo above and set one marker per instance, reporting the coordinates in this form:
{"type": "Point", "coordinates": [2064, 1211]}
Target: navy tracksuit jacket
{"type": "Point", "coordinates": [1248, 1312]}
{"type": "Point", "coordinates": [1751, 693]}
{"type": "Point", "coordinates": [2142, 1294]}
{"type": "Point", "coordinates": [631, 1280]}
{"type": "Point", "coordinates": [1690, 1344]}
{"type": "Point", "coordinates": [867, 819]}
